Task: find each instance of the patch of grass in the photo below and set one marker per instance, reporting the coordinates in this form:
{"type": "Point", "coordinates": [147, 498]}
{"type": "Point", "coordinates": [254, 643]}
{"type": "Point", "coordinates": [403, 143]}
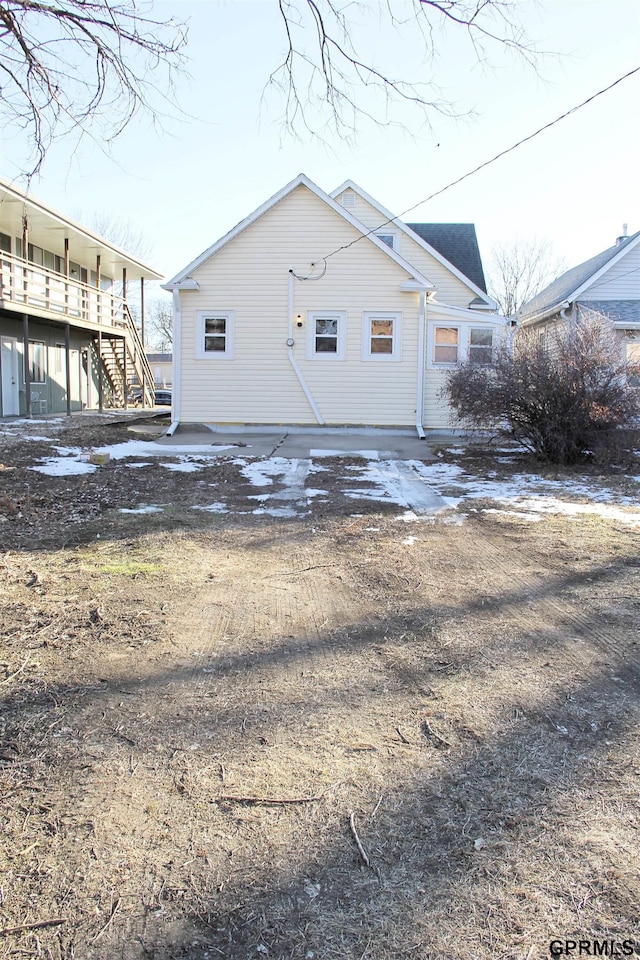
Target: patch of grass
{"type": "Point", "coordinates": [130, 568]}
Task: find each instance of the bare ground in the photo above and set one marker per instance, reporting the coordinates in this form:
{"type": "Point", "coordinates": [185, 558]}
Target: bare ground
{"type": "Point", "coordinates": [227, 735]}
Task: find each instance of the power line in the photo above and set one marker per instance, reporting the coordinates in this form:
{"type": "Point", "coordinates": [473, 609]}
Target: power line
{"type": "Point", "coordinates": [486, 163]}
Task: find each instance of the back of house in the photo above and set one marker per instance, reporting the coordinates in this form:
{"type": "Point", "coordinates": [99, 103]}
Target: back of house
{"type": "Point", "coordinates": [323, 309]}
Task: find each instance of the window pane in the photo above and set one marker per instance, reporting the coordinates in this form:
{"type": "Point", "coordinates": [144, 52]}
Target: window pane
{"type": "Point", "coordinates": [215, 325]}
{"type": "Point", "coordinates": [446, 355]}
{"type": "Point", "coordinates": [381, 345]}
{"type": "Point", "coordinates": [447, 335]}
{"type": "Point", "coordinates": [36, 356]}
{"type": "Point", "coordinates": [36, 254]}
{"type": "Point", "coordinates": [382, 328]}
{"type": "Point", "coordinates": [386, 238]}
{"type": "Point", "coordinates": [326, 344]}
{"type": "Point", "coordinates": [480, 356]}
{"type": "Point", "coordinates": [215, 344]}
{"type": "Point", "coordinates": [481, 338]}
{"type": "Point", "coordinates": [480, 346]}
{"type": "Point", "coordinates": [446, 345]}
{"type": "Point", "coordinates": [327, 326]}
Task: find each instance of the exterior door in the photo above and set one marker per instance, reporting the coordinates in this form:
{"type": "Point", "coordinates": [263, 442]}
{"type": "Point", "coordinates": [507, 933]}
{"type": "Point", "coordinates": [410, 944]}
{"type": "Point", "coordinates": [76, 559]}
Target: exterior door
{"type": "Point", "coordinates": [10, 387]}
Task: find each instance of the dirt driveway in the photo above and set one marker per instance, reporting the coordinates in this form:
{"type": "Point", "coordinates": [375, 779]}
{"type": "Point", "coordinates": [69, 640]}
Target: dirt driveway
{"type": "Point", "coordinates": [264, 709]}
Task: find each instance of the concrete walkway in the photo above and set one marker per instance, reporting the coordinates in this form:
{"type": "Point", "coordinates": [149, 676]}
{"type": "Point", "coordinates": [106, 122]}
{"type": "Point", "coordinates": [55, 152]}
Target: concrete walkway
{"type": "Point", "coordinates": [299, 443]}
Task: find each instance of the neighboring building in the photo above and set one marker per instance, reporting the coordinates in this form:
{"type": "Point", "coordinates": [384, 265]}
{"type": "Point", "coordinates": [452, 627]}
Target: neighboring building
{"type": "Point", "coordinates": [324, 309]}
{"type": "Point", "coordinates": [607, 284]}
{"type": "Point", "coordinates": [68, 340]}
{"type": "Point", "coordinates": [162, 368]}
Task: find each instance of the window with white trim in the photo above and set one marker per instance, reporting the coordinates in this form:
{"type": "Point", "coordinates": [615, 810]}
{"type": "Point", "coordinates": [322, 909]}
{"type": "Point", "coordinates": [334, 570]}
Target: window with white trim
{"type": "Point", "coordinates": [446, 345]}
{"type": "Point", "coordinates": [37, 361]}
{"type": "Point", "coordinates": [214, 334]}
{"type": "Point", "coordinates": [391, 239]}
{"type": "Point", "coordinates": [59, 358]}
{"type": "Point", "coordinates": [480, 346]}
{"type": "Point", "coordinates": [326, 334]}
{"type": "Point", "coordinates": [381, 335]}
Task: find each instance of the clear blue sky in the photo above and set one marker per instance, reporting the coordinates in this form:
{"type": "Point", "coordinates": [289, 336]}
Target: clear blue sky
{"type": "Point", "coordinates": [576, 184]}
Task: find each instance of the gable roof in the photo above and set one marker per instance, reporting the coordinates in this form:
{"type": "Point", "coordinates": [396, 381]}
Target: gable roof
{"type": "Point", "coordinates": [480, 290]}
{"type": "Point", "coordinates": [458, 243]}
{"type": "Point", "coordinates": [571, 284]}
{"type": "Point", "coordinates": [183, 279]}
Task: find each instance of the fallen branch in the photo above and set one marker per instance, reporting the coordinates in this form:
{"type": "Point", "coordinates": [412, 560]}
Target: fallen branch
{"type": "Point", "coordinates": [294, 573]}
{"type": "Point", "coordinates": [361, 850]}
{"type": "Point", "coordinates": [433, 735]}
{"type": "Point", "coordinates": [106, 926]}
{"type": "Point", "coordinates": [19, 670]}
{"type": "Point", "coordinates": [36, 925]}
{"type": "Point", "coordinates": [402, 736]}
{"type": "Point", "coordinates": [266, 801]}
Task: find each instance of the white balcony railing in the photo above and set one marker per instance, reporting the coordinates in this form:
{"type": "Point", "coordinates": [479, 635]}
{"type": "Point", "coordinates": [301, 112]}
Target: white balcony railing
{"type": "Point", "coordinates": [28, 285]}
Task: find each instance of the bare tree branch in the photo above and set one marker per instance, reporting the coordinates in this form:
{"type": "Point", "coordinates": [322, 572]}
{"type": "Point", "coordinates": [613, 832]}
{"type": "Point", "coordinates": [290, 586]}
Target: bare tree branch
{"type": "Point", "coordinates": [330, 81]}
{"type": "Point", "coordinates": [521, 269]}
{"type": "Point", "coordinates": [83, 65]}
{"type": "Point", "coordinates": [160, 325]}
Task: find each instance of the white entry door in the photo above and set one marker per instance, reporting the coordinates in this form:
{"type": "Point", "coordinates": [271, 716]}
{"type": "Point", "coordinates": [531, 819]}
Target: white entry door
{"type": "Point", "coordinates": [9, 361]}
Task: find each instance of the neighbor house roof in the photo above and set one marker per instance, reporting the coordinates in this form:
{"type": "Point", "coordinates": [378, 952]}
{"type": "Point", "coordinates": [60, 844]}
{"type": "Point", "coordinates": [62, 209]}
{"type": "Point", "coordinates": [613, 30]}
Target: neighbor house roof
{"type": "Point", "coordinates": [618, 311]}
{"type": "Point", "coordinates": [568, 286]}
{"type": "Point", "coordinates": [159, 357]}
{"type": "Point", "coordinates": [458, 243]}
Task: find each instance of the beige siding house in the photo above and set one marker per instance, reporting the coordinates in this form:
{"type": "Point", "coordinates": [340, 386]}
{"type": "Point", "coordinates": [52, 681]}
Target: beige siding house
{"type": "Point", "coordinates": [316, 311]}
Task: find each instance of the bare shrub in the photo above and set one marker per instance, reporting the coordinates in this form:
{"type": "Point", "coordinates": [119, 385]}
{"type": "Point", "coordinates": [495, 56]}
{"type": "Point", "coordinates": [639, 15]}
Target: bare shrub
{"type": "Point", "coordinates": [564, 396]}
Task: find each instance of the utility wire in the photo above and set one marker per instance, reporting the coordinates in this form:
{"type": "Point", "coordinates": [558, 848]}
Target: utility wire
{"type": "Point", "coordinates": [486, 163]}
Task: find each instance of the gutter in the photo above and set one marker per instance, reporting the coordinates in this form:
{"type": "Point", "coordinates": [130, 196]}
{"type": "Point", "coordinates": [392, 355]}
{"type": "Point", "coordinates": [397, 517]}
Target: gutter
{"type": "Point", "coordinates": [292, 359]}
{"type": "Point", "coordinates": [545, 314]}
{"type": "Point", "coordinates": [176, 373]}
{"type": "Point", "coordinates": [422, 317]}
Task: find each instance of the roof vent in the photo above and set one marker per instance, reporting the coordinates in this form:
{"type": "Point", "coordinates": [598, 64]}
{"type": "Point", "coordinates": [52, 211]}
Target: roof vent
{"type": "Point", "coordinates": [621, 239]}
{"type": "Point", "coordinates": [348, 198]}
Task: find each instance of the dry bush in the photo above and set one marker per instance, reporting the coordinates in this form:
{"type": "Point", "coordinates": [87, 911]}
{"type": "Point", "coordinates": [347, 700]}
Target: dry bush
{"type": "Point", "coordinates": [565, 396]}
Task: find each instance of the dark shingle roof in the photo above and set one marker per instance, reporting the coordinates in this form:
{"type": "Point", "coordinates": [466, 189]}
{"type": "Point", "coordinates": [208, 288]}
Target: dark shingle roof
{"type": "Point", "coordinates": [457, 243]}
{"type": "Point", "coordinates": [618, 311]}
{"type": "Point", "coordinates": [569, 282]}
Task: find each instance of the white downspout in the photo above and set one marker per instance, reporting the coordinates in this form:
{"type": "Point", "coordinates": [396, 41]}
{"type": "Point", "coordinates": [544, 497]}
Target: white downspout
{"type": "Point", "coordinates": [292, 359]}
{"type": "Point", "coordinates": [422, 310]}
{"type": "Point", "coordinates": [176, 377]}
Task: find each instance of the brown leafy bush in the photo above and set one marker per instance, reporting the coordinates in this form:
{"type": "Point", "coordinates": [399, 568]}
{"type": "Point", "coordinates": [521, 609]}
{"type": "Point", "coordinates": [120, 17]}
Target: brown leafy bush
{"type": "Point", "coordinates": [564, 397]}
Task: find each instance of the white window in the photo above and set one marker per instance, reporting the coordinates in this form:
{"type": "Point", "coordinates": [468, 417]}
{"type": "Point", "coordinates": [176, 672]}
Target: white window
{"type": "Point", "coordinates": [381, 335]}
{"type": "Point", "coordinates": [214, 334]}
{"type": "Point", "coordinates": [37, 358]}
{"type": "Point", "coordinates": [480, 346]}
{"type": "Point", "coordinates": [326, 334]}
{"type": "Point", "coordinates": [446, 344]}
{"type": "Point", "coordinates": [391, 239]}
{"type": "Point", "coordinates": [59, 358]}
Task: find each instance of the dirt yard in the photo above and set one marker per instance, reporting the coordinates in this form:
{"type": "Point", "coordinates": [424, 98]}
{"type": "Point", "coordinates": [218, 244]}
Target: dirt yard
{"type": "Point", "coordinates": [328, 736]}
